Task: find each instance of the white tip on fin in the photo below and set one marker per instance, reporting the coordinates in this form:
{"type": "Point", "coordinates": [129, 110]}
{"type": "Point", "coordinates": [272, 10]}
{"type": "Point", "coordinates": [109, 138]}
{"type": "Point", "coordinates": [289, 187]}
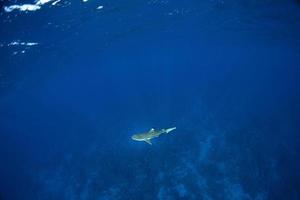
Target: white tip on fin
{"type": "Point", "coordinates": [152, 129]}
{"type": "Point", "coordinates": [170, 129]}
{"type": "Point", "coordinates": [148, 141]}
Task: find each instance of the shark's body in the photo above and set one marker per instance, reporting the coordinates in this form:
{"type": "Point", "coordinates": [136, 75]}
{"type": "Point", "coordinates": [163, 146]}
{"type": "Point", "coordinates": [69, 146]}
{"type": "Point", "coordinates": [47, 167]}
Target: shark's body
{"type": "Point", "coordinates": [146, 137]}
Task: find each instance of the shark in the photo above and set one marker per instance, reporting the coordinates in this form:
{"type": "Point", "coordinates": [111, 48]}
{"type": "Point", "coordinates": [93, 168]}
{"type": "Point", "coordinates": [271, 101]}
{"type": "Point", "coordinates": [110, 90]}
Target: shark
{"type": "Point", "coordinates": [152, 133]}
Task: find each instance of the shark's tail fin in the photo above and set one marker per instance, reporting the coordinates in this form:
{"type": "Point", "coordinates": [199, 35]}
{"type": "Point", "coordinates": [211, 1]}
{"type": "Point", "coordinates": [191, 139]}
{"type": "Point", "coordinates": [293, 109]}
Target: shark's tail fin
{"type": "Point", "coordinates": [168, 130]}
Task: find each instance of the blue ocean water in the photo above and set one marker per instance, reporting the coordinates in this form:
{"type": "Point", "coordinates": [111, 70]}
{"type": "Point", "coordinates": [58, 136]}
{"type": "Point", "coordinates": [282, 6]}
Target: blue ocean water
{"type": "Point", "coordinates": [79, 78]}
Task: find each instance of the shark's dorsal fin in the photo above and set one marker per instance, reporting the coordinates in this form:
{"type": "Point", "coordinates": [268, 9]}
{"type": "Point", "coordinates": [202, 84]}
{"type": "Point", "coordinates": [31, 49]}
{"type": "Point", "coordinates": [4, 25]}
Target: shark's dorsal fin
{"type": "Point", "coordinates": [148, 141]}
{"type": "Point", "coordinates": [152, 129]}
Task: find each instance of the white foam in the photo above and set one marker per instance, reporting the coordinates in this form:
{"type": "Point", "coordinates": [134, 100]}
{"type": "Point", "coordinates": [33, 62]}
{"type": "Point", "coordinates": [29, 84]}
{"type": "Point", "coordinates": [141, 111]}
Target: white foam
{"type": "Point", "coordinates": [99, 7]}
{"type": "Point", "coordinates": [24, 7]}
{"type": "Point", "coordinates": [16, 43]}
{"type": "Point", "coordinates": [13, 43]}
{"type": "Point", "coordinates": [27, 7]}
{"type": "Point", "coordinates": [55, 2]}
{"type": "Point", "coordinates": [31, 43]}
{"type": "Point", "coordinates": [42, 2]}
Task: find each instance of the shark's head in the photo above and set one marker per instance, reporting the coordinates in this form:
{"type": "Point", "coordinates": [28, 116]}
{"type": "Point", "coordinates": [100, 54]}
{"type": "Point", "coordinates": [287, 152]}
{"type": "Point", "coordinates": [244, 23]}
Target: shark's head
{"type": "Point", "coordinates": [137, 137]}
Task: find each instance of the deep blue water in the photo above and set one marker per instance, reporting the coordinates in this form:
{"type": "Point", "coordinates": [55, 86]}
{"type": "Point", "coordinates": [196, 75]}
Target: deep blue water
{"type": "Point", "coordinates": [76, 82]}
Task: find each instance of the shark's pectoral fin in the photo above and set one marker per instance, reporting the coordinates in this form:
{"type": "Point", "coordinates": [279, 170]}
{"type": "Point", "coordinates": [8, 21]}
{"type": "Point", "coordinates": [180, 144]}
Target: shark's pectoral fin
{"type": "Point", "coordinates": [148, 141]}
